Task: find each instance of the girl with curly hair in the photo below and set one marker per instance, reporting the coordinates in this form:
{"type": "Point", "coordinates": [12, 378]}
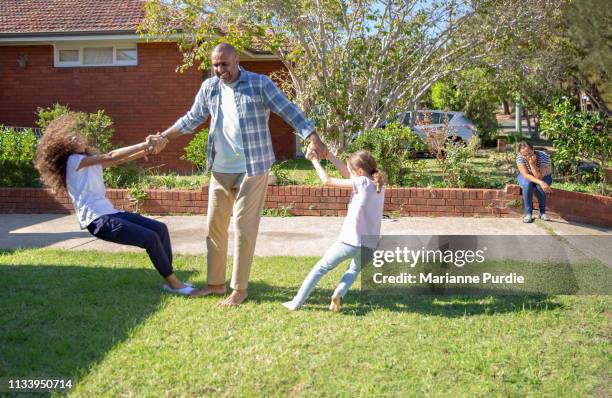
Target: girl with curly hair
{"type": "Point", "coordinates": [67, 163]}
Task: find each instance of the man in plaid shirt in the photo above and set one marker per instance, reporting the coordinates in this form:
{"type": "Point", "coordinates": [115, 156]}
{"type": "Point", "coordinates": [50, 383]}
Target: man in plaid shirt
{"type": "Point", "coordinates": [240, 154]}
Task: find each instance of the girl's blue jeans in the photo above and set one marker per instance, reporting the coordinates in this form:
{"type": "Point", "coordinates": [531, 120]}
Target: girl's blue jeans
{"type": "Point", "coordinates": [336, 254]}
{"type": "Point", "coordinates": [528, 187]}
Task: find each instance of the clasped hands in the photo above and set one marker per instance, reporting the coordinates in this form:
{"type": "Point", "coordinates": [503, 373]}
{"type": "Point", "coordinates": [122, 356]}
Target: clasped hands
{"type": "Point", "coordinates": [316, 149]}
{"type": "Point", "coordinates": [155, 144]}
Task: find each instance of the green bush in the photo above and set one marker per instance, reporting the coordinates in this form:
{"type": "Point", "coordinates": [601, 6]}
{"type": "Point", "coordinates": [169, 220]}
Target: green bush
{"type": "Point", "coordinates": [124, 175]}
{"type": "Point", "coordinates": [457, 169]}
{"type": "Point", "coordinates": [472, 92]}
{"type": "Point", "coordinates": [47, 115]}
{"type": "Point", "coordinates": [394, 148]}
{"type": "Point", "coordinates": [195, 152]}
{"type": "Point", "coordinates": [96, 127]}
{"type": "Point", "coordinates": [17, 152]}
{"type": "Point", "coordinates": [583, 136]}
{"type": "Point", "coordinates": [282, 174]}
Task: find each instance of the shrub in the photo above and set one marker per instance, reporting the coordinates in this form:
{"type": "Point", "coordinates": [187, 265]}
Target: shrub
{"type": "Point", "coordinates": [96, 127]}
{"type": "Point", "coordinates": [195, 152]}
{"type": "Point", "coordinates": [578, 137]}
{"type": "Point", "coordinates": [47, 115]}
{"type": "Point", "coordinates": [17, 152]}
{"type": "Point", "coordinates": [394, 149]}
{"type": "Point", "coordinates": [454, 160]}
{"type": "Point", "coordinates": [124, 175]}
{"type": "Point", "coordinates": [282, 174]}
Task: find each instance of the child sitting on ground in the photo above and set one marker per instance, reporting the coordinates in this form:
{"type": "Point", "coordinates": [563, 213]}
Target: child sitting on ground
{"type": "Point", "coordinates": [361, 228]}
{"type": "Point", "coordinates": [66, 162]}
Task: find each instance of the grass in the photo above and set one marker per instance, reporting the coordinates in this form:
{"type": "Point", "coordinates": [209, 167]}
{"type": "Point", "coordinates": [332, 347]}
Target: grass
{"type": "Point", "coordinates": [102, 319]}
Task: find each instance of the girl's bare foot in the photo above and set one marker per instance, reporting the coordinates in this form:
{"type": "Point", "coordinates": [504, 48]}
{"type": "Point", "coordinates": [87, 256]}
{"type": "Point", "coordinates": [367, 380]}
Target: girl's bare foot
{"type": "Point", "coordinates": [335, 304]}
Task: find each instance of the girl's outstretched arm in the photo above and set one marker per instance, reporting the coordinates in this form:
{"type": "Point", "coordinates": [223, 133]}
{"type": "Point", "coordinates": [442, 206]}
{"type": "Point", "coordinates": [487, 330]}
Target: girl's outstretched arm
{"type": "Point", "coordinates": [340, 165]}
{"type": "Point", "coordinates": [125, 154]}
{"type": "Point", "coordinates": [327, 180]}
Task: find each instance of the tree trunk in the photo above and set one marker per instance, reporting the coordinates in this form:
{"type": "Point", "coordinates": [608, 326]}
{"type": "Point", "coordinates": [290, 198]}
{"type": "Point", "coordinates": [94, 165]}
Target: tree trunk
{"type": "Point", "coordinates": [528, 119]}
{"type": "Point", "coordinates": [536, 128]}
{"type": "Point", "coordinates": [506, 107]}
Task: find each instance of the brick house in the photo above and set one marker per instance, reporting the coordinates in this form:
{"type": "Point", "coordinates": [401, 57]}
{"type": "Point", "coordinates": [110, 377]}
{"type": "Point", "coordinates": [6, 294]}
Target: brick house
{"type": "Point", "coordinates": [86, 54]}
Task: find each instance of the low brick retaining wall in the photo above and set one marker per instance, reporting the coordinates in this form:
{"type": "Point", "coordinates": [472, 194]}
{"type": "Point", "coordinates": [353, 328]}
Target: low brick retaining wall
{"type": "Point", "coordinates": [320, 201]}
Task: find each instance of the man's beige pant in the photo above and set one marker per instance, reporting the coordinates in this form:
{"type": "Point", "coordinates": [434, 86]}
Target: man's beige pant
{"type": "Point", "coordinates": [246, 196]}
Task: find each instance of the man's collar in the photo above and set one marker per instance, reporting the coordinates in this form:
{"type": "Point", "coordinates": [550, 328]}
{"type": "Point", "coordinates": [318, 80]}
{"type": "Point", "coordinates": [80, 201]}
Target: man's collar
{"type": "Point", "coordinates": [243, 74]}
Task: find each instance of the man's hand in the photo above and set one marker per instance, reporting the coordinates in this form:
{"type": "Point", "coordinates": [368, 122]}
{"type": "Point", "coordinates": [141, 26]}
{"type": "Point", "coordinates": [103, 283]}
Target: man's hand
{"type": "Point", "coordinates": [317, 146]}
{"type": "Point", "coordinates": [311, 154]}
{"type": "Point", "coordinates": [156, 143]}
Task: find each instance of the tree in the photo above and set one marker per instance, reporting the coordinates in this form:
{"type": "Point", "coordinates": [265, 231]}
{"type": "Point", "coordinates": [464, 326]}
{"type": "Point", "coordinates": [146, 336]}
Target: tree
{"type": "Point", "coordinates": [472, 91]}
{"type": "Point", "coordinates": [589, 29]}
{"type": "Point", "coordinates": [350, 64]}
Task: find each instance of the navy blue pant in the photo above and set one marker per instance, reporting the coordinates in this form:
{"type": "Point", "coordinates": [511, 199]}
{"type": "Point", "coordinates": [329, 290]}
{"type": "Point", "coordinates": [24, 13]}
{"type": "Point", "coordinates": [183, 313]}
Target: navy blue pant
{"type": "Point", "coordinates": [528, 188]}
{"type": "Point", "coordinates": [135, 230]}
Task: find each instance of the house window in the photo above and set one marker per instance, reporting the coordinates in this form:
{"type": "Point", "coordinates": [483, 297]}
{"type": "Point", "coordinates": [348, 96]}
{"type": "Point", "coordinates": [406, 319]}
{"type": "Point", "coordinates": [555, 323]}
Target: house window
{"type": "Point", "coordinates": [69, 56]}
{"type": "Point", "coordinates": [96, 55]}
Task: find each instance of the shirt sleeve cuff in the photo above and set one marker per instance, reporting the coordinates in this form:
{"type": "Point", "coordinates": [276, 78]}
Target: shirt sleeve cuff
{"type": "Point", "coordinates": [307, 130]}
{"type": "Point", "coordinates": [182, 127]}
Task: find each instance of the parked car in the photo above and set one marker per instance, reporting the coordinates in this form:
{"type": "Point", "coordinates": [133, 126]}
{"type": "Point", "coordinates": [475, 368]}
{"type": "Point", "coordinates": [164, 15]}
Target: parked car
{"type": "Point", "coordinates": [461, 129]}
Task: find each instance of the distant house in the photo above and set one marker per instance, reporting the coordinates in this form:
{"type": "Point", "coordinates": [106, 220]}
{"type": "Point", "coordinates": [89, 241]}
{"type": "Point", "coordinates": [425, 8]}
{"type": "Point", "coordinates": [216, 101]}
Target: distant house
{"type": "Point", "coordinates": [86, 54]}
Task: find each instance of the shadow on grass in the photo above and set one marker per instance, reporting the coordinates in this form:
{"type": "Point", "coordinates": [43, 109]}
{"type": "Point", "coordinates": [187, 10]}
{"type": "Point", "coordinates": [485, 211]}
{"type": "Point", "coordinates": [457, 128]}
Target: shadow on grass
{"type": "Point", "coordinates": [361, 303]}
{"type": "Point", "coordinates": [58, 321]}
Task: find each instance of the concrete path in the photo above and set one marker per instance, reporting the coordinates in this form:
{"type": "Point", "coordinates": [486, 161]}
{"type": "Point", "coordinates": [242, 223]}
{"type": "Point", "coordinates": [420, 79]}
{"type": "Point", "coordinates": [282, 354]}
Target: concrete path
{"type": "Point", "coordinates": [291, 236]}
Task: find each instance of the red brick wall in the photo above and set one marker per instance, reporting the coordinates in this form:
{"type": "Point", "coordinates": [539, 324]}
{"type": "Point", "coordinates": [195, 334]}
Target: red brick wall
{"type": "Point", "coordinates": [317, 201]}
{"type": "Point", "coordinates": [141, 99]}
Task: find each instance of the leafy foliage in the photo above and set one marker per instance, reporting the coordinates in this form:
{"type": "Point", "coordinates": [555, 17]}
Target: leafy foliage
{"type": "Point", "coordinates": [96, 127]}
{"type": "Point", "coordinates": [577, 137]}
{"type": "Point", "coordinates": [196, 150]}
{"type": "Point", "coordinates": [17, 152]}
{"type": "Point", "coordinates": [394, 149]}
{"type": "Point", "coordinates": [473, 92]}
{"type": "Point", "coordinates": [350, 65]}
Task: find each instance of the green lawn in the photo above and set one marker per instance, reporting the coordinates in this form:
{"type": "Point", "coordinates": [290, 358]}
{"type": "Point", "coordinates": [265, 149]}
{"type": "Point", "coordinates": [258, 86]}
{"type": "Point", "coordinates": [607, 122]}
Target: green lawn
{"type": "Point", "coordinates": [103, 319]}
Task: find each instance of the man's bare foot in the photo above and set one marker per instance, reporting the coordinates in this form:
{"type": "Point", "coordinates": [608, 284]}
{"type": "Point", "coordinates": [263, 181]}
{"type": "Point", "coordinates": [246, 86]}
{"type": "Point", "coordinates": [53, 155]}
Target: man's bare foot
{"type": "Point", "coordinates": [335, 304]}
{"type": "Point", "coordinates": [234, 299]}
{"type": "Point", "coordinates": [209, 290]}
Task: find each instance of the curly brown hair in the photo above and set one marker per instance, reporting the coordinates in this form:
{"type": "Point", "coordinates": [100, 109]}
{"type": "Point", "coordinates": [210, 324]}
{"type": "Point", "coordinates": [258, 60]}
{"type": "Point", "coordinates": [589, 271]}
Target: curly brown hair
{"type": "Point", "coordinates": [54, 148]}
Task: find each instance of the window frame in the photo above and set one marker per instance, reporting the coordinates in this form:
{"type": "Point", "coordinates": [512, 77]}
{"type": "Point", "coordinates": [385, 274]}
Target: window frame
{"type": "Point", "coordinates": [80, 47]}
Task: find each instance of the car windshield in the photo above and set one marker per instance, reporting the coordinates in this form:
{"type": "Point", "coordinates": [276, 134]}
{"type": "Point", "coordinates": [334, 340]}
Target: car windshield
{"type": "Point", "coordinates": [427, 117]}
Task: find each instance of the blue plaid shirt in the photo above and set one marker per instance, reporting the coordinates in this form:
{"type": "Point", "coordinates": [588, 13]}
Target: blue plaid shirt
{"type": "Point", "coordinates": [256, 95]}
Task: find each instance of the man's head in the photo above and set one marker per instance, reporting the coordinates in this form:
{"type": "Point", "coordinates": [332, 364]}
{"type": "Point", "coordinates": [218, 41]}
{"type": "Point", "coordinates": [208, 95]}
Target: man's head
{"type": "Point", "coordinates": [225, 62]}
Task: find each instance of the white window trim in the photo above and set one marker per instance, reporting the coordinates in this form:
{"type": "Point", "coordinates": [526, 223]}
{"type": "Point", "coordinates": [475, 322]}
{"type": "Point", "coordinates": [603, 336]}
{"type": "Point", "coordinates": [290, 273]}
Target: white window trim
{"type": "Point", "coordinates": [80, 46]}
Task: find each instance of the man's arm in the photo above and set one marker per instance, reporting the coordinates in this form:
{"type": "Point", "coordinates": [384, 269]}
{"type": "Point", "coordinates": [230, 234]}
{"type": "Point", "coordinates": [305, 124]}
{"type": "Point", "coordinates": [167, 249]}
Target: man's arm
{"type": "Point", "coordinates": [278, 102]}
{"type": "Point", "coordinates": [197, 115]}
{"type": "Point", "coordinates": [171, 132]}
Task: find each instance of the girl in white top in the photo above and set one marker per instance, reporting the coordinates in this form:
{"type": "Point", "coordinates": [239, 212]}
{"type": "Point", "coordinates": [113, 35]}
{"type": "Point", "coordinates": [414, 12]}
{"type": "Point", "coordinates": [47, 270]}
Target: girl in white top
{"type": "Point", "coordinates": [67, 163]}
{"type": "Point", "coordinates": [361, 228]}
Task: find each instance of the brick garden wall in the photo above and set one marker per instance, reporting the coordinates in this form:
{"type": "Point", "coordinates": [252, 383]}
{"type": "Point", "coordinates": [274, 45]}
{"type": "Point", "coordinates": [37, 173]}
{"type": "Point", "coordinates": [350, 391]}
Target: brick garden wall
{"type": "Point", "coordinates": [320, 201]}
{"type": "Point", "coordinates": [140, 99]}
